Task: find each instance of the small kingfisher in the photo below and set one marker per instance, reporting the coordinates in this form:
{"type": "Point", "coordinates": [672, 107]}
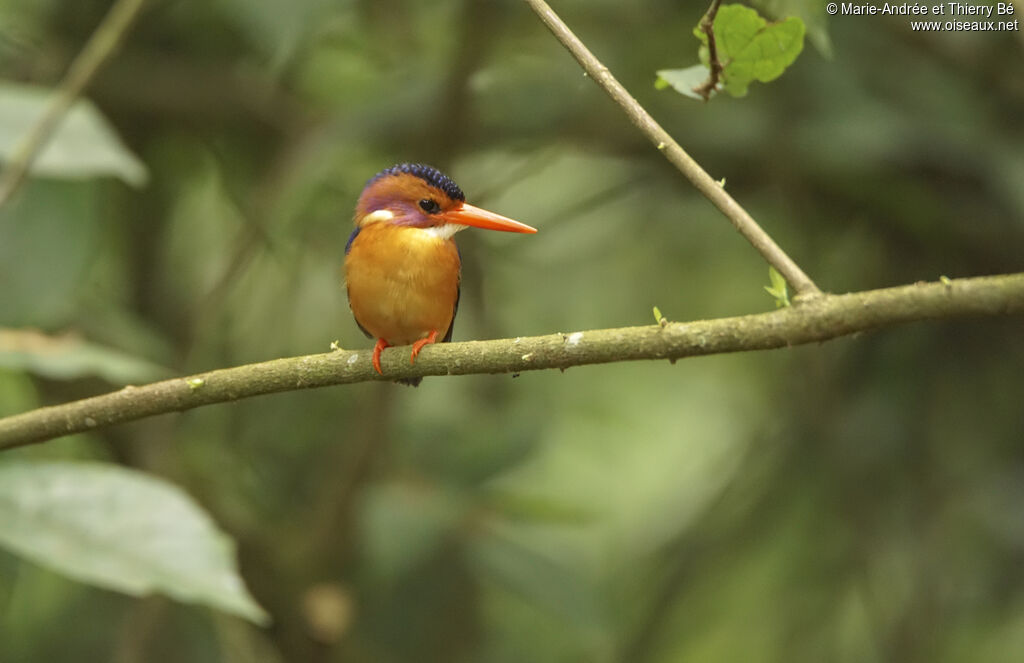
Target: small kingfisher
{"type": "Point", "coordinates": [402, 268]}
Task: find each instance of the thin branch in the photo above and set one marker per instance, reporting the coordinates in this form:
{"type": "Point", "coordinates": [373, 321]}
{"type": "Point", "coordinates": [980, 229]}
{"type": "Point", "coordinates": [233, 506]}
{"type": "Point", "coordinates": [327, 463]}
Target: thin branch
{"type": "Point", "coordinates": [818, 319]}
{"type": "Point", "coordinates": [711, 189]}
{"type": "Point", "coordinates": [94, 55]}
{"type": "Point", "coordinates": [707, 26]}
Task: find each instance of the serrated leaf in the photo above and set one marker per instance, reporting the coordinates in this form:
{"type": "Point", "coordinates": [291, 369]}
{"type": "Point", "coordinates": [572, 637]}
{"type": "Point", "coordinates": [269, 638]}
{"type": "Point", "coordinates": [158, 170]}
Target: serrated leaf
{"type": "Point", "coordinates": [683, 80]}
{"type": "Point", "coordinates": [68, 357]}
{"type": "Point", "coordinates": [84, 144]}
{"type": "Point", "coordinates": [121, 530]}
{"type": "Point", "coordinates": [750, 48]}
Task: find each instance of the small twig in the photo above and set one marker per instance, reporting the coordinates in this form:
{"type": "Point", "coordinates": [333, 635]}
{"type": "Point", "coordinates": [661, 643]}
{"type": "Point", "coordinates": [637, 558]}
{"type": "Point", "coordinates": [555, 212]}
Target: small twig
{"type": "Point", "coordinates": [707, 25]}
{"type": "Point", "coordinates": [711, 189]}
{"type": "Point", "coordinates": [96, 52]}
{"type": "Point", "coordinates": [818, 319]}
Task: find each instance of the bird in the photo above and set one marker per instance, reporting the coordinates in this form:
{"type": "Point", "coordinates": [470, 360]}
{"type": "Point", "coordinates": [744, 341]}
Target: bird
{"type": "Point", "coordinates": [402, 267]}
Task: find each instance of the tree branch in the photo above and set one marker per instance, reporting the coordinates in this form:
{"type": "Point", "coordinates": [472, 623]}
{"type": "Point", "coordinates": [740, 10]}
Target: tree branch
{"type": "Point", "coordinates": [97, 51]}
{"type": "Point", "coordinates": [711, 189]}
{"type": "Point", "coordinates": [819, 319]}
{"type": "Point", "coordinates": [707, 25]}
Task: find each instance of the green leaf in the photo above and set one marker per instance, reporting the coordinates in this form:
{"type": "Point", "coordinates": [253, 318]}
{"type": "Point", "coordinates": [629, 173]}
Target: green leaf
{"type": "Point", "coordinates": [750, 48]}
{"type": "Point", "coordinates": [811, 12]}
{"type": "Point", "coordinates": [121, 530]}
{"type": "Point", "coordinates": [84, 144]}
{"type": "Point", "coordinates": [778, 288]}
{"type": "Point", "coordinates": [683, 80]}
{"type": "Point", "coordinates": [68, 357]}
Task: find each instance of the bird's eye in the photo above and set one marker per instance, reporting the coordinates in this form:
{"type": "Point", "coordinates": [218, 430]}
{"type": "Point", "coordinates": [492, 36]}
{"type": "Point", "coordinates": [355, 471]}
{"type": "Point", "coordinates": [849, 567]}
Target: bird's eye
{"type": "Point", "coordinates": [430, 206]}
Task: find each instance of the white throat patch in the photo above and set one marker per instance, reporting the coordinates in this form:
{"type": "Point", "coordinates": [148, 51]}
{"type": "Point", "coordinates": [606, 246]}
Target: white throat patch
{"type": "Point", "coordinates": [444, 231]}
{"type": "Point", "coordinates": [379, 215]}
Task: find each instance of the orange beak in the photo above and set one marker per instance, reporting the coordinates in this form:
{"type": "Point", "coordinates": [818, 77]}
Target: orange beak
{"type": "Point", "coordinates": [468, 215]}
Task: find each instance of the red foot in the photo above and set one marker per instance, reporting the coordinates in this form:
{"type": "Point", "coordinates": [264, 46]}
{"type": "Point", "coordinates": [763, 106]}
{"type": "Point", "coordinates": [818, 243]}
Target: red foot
{"type": "Point", "coordinates": [381, 344]}
{"type": "Point", "coordinates": [418, 345]}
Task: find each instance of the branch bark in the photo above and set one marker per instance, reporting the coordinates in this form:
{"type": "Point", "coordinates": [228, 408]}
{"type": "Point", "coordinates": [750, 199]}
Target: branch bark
{"type": "Point", "coordinates": [707, 26]}
{"type": "Point", "coordinates": [818, 319]}
{"type": "Point", "coordinates": [686, 165]}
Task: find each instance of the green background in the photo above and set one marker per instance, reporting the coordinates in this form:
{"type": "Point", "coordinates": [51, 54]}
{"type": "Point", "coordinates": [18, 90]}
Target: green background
{"type": "Point", "coordinates": [854, 501]}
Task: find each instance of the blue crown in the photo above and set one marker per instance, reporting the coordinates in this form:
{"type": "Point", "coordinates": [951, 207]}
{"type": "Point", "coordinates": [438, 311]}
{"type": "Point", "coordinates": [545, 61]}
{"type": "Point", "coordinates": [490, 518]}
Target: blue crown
{"type": "Point", "coordinates": [428, 174]}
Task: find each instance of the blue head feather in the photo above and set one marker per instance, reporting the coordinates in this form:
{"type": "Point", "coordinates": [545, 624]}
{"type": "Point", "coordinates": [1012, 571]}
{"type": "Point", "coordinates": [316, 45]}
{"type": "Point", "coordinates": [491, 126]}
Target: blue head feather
{"type": "Point", "coordinates": [428, 174]}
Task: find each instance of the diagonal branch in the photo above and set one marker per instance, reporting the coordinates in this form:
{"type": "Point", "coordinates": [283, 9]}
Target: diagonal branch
{"type": "Point", "coordinates": [818, 319]}
{"type": "Point", "coordinates": [97, 51]}
{"type": "Point", "coordinates": [711, 189]}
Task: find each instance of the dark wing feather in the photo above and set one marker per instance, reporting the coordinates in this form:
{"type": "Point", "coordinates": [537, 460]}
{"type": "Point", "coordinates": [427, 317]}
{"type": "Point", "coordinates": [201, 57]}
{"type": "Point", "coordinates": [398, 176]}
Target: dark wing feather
{"type": "Point", "coordinates": [351, 238]}
{"type": "Point", "coordinates": [458, 295]}
{"type": "Point", "coordinates": [448, 336]}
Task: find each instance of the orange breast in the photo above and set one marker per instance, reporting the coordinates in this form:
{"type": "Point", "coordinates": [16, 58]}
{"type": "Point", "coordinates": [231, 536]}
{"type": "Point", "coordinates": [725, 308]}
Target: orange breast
{"type": "Point", "coordinates": [402, 282]}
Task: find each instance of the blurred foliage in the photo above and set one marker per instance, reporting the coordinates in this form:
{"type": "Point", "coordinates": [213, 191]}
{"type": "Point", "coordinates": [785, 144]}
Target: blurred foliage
{"type": "Point", "coordinates": [854, 501]}
{"type": "Point", "coordinates": [83, 145]}
{"type": "Point", "coordinates": [67, 357]}
{"type": "Point", "coordinates": [119, 529]}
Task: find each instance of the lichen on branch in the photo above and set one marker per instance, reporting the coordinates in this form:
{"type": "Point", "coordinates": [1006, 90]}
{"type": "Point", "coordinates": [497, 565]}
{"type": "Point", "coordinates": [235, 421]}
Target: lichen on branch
{"type": "Point", "coordinates": [815, 320]}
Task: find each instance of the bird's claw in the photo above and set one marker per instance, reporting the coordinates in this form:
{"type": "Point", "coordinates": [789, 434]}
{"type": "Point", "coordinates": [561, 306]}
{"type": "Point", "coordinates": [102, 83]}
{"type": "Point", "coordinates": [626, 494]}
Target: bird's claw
{"type": "Point", "coordinates": [418, 345]}
{"type": "Point", "coordinates": [377, 349]}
